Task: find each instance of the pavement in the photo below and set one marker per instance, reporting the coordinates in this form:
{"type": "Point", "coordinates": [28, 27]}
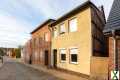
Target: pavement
{"type": "Point", "coordinates": [12, 70]}
{"type": "Point", "coordinates": [0, 63]}
{"type": "Point", "coordinates": [57, 73]}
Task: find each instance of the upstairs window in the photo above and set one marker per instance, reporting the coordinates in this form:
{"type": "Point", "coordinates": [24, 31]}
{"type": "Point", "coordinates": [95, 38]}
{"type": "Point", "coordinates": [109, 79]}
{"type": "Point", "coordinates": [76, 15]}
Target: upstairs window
{"type": "Point", "coordinates": [62, 28]}
{"type": "Point", "coordinates": [62, 55]}
{"type": "Point", "coordinates": [73, 25]}
{"type": "Point", "coordinates": [55, 33]}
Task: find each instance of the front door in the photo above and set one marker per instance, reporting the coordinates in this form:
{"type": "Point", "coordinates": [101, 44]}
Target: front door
{"type": "Point", "coordinates": [55, 58]}
{"type": "Point", "coordinates": [46, 57]}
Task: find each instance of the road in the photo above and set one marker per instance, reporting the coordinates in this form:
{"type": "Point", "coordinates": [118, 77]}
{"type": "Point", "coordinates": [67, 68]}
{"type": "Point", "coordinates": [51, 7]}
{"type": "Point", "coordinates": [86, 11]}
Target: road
{"type": "Point", "coordinates": [12, 70]}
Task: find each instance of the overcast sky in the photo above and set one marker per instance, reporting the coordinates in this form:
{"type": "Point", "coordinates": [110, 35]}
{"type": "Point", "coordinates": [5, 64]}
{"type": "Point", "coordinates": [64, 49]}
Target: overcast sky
{"type": "Point", "coordinates": [19, 17]}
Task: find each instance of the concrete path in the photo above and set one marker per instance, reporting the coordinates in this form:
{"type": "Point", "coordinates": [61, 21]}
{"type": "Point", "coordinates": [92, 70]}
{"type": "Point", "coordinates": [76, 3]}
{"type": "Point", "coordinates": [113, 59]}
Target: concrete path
{"type": "Point", "coordinates": [57, 73]}
{"type": "Point", "coordinates": [12, 70]}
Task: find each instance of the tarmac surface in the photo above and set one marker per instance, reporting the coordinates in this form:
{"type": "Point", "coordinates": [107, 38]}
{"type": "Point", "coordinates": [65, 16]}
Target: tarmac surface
{"type": "Point", "coordinates": [12, 70]}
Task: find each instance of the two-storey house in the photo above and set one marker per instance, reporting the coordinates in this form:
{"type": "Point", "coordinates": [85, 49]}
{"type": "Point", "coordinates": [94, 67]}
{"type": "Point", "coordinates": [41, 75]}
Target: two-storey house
{"type": "Point", "coordinates": [77, 37]}
{"type": "Point", "coordinates": [41, 44]}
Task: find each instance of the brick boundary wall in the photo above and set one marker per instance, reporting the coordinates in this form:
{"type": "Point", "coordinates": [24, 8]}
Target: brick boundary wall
{"type": "Point", "coordinates": [111, 54]}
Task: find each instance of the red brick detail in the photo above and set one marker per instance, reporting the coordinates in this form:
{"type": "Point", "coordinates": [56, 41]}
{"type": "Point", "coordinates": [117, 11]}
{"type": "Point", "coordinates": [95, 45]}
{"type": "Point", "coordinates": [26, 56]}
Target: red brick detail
{"type": "Point", "coordinates": [118, 50]}
{"type": "Point", "coordinates": [111, 54]}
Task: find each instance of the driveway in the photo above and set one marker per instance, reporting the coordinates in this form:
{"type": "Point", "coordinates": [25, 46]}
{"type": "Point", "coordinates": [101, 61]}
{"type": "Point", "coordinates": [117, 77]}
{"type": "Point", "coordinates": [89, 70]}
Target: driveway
{"type": "Point", "coordinates": [12, 70]}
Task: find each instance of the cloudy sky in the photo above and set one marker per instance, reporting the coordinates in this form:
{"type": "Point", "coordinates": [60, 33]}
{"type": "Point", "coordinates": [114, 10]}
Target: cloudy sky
{"type": "Point", "coordinates": [19, 17]}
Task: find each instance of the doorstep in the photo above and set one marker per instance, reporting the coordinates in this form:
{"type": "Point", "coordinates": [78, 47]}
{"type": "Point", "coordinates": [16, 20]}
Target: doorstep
{"type": "Point", "coordinates": [57, 73]}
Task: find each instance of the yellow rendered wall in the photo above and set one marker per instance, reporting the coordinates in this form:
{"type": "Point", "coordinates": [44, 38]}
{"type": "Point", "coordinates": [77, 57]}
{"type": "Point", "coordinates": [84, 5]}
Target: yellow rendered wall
{"type": "Point", "coordinates": [99, 67]}
{"type": "Point", "coordinates": [80, 39]}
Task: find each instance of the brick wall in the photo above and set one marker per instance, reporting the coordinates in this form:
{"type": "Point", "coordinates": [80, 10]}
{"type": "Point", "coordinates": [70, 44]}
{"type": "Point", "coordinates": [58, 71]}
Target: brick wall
{"type": "Point", "coordinates": [40, 45]}
{"type": "Point", "coordinates": [118, 50]}
{"type": "Point", "coordinates": [111, 54]}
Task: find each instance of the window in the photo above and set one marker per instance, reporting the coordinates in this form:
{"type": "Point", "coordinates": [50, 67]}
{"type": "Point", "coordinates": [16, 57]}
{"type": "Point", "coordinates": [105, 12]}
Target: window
{"type": "Point", "coordinates": [74, 55]}
{"type": "Point", "coordinates": [46, 37]}
{"type": "Point", "coordinates": [63, 55]}
{"type": "Point", "coordinates": [55, 33]}
{"type": "Point", "coordinates": [73, 25]}
{"type": "Point", "coordinates": [62, 28]}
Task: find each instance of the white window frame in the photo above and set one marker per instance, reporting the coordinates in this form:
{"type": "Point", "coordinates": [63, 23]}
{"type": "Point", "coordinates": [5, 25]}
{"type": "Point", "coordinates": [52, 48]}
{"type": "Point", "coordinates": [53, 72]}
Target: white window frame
{"type": "Point", "coordinates": [73, 53]}
{"type": "Point", "coordinates": [62, 28]}
{"type": "Point", "coordinates": [73, 27]}
{"type": "Point", "coordinates": [55, 33]}
{"type": "Point", "coordinates": [62, 53]}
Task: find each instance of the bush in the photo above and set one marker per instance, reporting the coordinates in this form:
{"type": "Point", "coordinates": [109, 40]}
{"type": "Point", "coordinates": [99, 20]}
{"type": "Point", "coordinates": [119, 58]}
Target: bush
{"type": "Point", "coordinates": [18, 53]}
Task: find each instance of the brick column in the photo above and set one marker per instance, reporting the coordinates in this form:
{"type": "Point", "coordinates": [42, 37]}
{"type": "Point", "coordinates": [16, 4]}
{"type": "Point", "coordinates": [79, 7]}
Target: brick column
{"type": "Point", "coordinates": [111, 54]}
{"type": "Point", "coordinates": [118, 51]}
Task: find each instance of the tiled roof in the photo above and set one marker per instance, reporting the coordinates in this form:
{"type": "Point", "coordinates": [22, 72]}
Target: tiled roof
{"type": "Point", "coordinates": [113, 22]}
{"type": "Point", "coordinates": [86, 4]}
{"type": "Point", "coordinates": [44, 23]}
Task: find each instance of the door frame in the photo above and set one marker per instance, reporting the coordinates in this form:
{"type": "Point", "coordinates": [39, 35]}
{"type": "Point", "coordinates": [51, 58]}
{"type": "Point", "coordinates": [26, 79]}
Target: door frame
{"type": "Point", "coordinates": [46, 58]}
{"type": "Point", "coordinates": [55, 58]}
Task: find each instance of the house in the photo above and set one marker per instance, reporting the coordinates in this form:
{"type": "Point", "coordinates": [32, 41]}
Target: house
{"type": "Point", "coordinates": [11, 52]}
{"type": "Point", "coordinates": [78, 43]}
{"type": "Point", "coordinates": [41, 44]}
{"type": "Point", "coordinates": [26, 52]}
{"type": "Point", "coordinates": [112, 32]}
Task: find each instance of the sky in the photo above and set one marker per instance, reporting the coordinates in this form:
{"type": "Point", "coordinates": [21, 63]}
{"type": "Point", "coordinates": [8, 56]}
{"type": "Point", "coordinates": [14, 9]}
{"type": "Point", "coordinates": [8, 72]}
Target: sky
{"type": "Point", "coordinates": [19, 17]}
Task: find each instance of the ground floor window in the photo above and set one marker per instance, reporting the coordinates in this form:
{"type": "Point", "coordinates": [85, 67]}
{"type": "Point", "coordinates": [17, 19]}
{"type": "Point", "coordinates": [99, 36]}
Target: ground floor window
{"type": "Point", "coordinates": [74, 55]}
{"type": "Point", "coordinates": [62, 55]}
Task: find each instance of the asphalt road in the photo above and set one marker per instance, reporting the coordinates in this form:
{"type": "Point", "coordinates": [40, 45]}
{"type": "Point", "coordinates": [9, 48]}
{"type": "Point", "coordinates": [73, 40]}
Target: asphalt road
{"type": "Point", "coordinates": [12, 70]}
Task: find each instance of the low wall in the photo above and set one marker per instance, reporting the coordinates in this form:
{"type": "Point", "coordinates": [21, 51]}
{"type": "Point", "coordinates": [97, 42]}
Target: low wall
{"type": "Point", "coordinates": [99, 68]}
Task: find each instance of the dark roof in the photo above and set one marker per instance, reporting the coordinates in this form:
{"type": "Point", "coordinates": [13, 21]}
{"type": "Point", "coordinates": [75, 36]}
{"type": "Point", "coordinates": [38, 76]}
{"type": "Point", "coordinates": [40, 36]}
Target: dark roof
{"type": "Point", "coordinates": [44, 23]}
{"type": "Point", "coordinates": [74, 11]}
{"type": "Point", "coordinates": [113, 22]}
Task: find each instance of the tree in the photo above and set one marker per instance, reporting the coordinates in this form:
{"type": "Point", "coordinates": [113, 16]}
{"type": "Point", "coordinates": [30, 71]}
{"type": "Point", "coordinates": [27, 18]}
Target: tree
{"type": "Point", "coordinates": [2, 51]}
{"type": "Point", "coordinates": [18, 52]}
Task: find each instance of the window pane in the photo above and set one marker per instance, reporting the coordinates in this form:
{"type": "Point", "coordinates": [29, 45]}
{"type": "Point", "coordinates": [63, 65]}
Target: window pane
{"type": "Point", "coordinates": [55, 33]}
{"type": "Point", "coordinates": [73, 57]}
{"type": "Point", "coordinates": [73, 25]}
{"type": "Point", "coordinates": [73, 54]}
{"type": "Point", "coordinates": [63, 57]}
{"type": "Point", "coordinates": [62, 28]}
{"type": "Point", "coordinates": [63, 54]}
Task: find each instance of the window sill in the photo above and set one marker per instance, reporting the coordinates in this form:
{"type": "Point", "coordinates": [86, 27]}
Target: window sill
{"type": "Point", "coordinates": [74, 62]}
{"type": "Point", "coordinates": [72, 31]}
{"type": "Point", "coordinates": [62, 32]}
{"type": "Point", "coordinates": [63, 61]}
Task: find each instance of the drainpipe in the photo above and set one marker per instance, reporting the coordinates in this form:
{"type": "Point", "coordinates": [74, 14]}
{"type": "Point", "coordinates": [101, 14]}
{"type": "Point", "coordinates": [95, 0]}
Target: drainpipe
{"type": "Point", "coordinates": [115, 50]}
{"type": "Point", "coordinates": [51, 52]}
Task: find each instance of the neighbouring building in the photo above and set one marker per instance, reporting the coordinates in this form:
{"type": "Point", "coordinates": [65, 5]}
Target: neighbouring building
{"type": "Point", "coordinates": [78, 43]}
{"type": "Point", "coordinates": [22, 53]}
{"type": "Point", "coordinates": [26, 52]}
{"type": "Point", "coordinates": [11, 52]}
{"type": "Point", "coordinates": [112, 32]}
{"type": "Point", "coordinates": [41, 44]}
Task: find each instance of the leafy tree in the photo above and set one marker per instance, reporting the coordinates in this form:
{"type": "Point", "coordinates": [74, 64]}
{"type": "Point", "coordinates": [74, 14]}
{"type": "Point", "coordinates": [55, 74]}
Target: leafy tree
{"type": "Point", "coordinates": [2, 52]}
{"type": "Point", "coordinates": [18, 52]}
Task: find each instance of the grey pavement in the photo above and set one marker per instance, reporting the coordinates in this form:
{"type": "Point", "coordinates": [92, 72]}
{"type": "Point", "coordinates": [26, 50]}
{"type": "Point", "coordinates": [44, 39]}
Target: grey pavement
{"type": "Point", "coordinates": [12, 70]}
